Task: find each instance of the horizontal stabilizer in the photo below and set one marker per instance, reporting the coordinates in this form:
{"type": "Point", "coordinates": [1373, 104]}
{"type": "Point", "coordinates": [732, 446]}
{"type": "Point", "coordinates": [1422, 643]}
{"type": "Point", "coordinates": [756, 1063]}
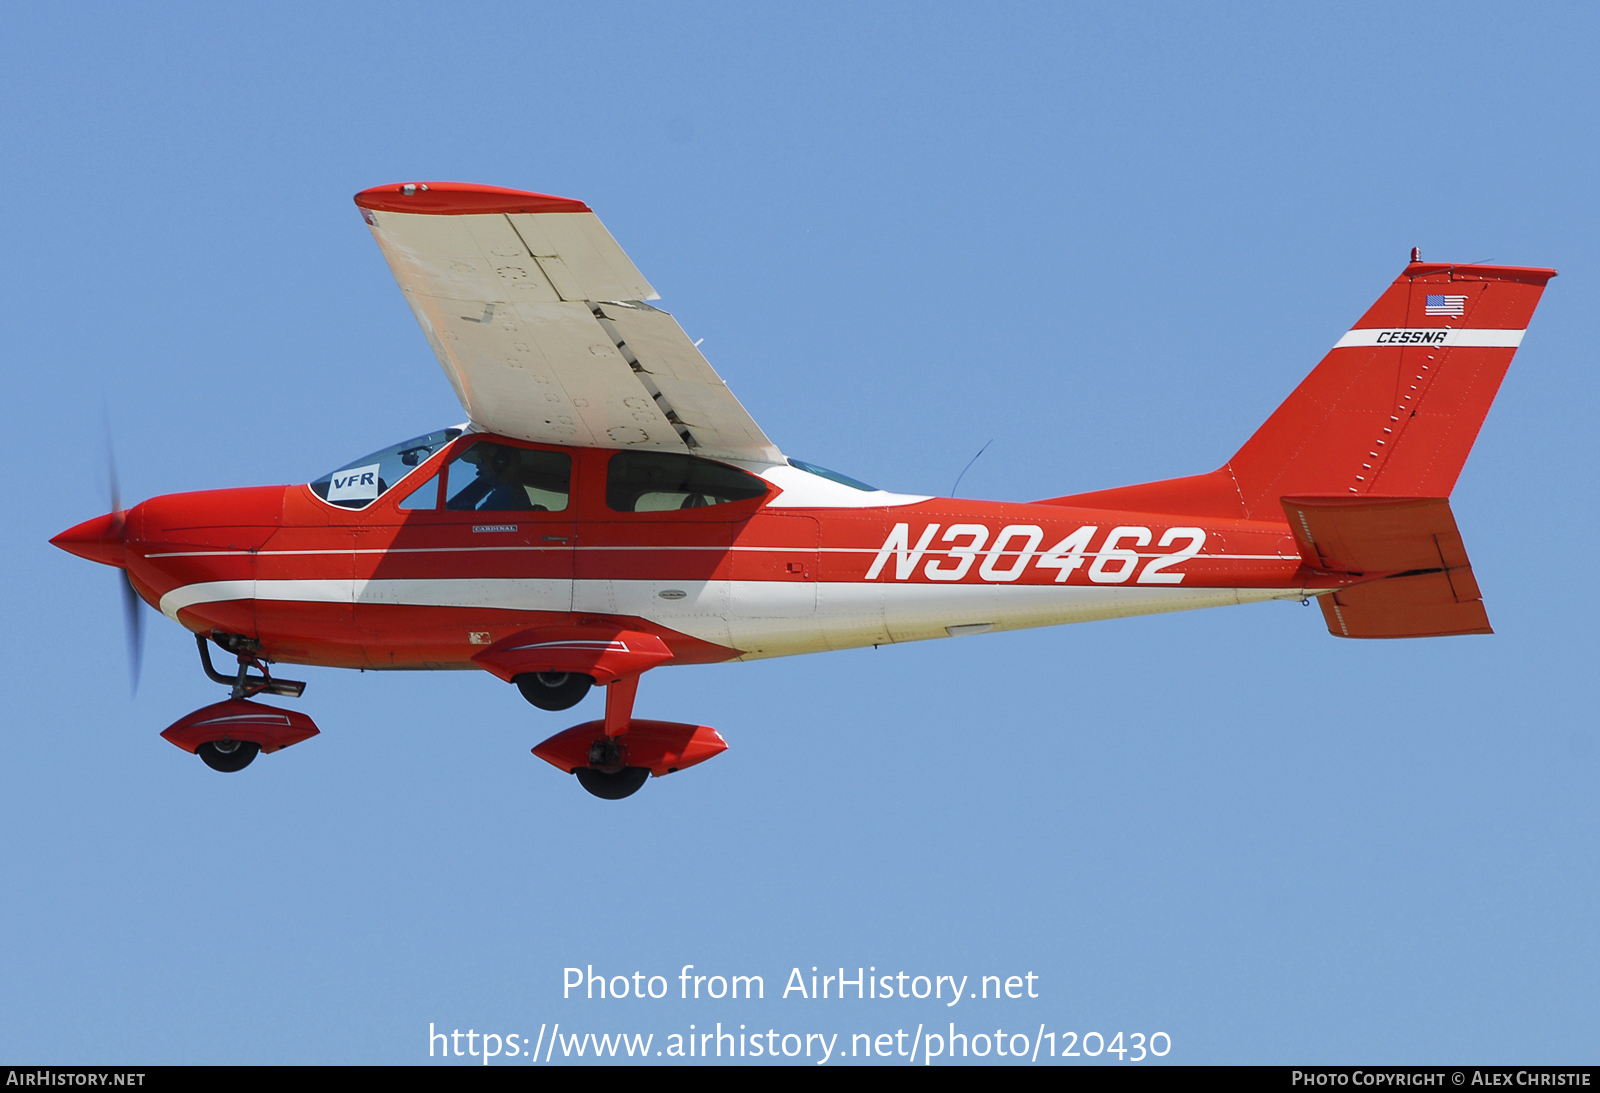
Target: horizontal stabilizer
{"type": "Point", "coordinates": [1423, 584]}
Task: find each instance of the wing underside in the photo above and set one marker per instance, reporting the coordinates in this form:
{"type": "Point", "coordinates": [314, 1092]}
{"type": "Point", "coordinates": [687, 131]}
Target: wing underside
{"type": "Point", "coordinates": [539, 322]}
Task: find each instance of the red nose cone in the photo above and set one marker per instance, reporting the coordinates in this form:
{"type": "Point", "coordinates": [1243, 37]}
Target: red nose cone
{"type": "Point", "coordinates": [99, 540]}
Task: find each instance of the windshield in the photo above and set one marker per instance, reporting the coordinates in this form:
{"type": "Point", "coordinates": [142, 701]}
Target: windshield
{"type": "Point", "coordinates": [832, 476]}
{"type": "Point", "coordinates": [358, 484]}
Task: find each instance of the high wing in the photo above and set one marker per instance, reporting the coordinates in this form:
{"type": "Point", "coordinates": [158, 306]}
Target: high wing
{"type": "Point", "coordinates": [538, 318]}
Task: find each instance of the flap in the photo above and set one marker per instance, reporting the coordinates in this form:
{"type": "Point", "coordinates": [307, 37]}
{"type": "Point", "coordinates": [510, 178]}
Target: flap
{"type": "Point", "coordinates": [508, 289]}
{"type": "Point", "coordinates": [672, 369]}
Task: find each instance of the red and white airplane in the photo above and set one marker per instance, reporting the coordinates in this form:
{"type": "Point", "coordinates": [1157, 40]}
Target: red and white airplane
{"type": "Point", "coordinates": [609, 507]}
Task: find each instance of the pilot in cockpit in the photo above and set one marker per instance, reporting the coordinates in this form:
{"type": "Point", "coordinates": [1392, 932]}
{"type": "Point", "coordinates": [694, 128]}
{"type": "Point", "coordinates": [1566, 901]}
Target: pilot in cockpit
{"type": "Point", "coordinates": [496, 487]}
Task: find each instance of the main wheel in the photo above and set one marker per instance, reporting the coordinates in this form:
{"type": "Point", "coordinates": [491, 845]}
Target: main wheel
{"type": "Point", "coordinates": [553, 690]}
{"type": "Point", "coordinates": [612, 787]}
{"type": "Point", "coordinates": [228, 755]}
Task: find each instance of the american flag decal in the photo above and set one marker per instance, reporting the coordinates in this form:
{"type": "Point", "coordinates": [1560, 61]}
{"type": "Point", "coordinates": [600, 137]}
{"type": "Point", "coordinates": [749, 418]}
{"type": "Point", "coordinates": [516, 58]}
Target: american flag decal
{"type": "Point", "coordinates": [1445, 305]}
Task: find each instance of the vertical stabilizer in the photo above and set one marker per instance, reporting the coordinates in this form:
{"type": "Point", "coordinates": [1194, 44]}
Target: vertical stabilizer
{"type": "Point", "coordinates": [1392, 410]}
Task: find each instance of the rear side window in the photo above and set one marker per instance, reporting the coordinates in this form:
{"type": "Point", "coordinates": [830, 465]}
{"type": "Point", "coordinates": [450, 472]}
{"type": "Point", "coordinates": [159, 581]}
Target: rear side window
{"type": "Point", "coordinates": [490, 477]}
{"type": "Point", "coordinates": [664, 482]}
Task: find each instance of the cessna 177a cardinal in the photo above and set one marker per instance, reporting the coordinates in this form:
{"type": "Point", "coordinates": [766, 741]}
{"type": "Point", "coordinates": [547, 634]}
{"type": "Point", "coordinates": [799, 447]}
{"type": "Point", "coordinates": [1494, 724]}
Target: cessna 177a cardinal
{"type": "Point", "coordinates": [609, 507]}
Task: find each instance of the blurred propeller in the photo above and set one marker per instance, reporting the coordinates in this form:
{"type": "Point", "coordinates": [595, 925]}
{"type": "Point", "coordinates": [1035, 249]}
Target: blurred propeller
{"type": "Point", "coordinates": [132, 620]}
{"type": "Point", "coordinates": [135, 627]}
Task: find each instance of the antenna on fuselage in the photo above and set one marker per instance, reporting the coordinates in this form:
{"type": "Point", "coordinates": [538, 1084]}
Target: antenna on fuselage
{"type": "Point", "coordinates": [968, 467]}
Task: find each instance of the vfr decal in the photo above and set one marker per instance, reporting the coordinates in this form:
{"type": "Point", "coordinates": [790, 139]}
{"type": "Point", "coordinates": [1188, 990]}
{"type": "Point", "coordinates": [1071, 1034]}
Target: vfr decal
{"type": "Point", "coordinates": [1017, 547]}
{"type": "Point", "coordinates": [355, 484]}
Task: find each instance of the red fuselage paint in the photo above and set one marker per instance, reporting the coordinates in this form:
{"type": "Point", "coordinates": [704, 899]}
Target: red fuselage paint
{"type": "Point", "coordinates": [386, 587]}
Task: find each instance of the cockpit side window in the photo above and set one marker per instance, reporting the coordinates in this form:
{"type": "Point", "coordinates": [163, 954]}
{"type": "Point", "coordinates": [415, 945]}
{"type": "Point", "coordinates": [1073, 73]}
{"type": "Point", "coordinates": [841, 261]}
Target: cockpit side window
{"type": "Point", "coordinates": [491, 477]}
{"type": "Point", "coordinates": [357, 485]}
{"type": "Point", "coordinates": [663, 481]}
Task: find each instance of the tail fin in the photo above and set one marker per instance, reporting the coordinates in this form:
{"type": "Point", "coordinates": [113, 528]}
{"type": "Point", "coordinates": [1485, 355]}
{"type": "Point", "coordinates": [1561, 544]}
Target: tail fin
{"type": "Point", "coordinates": [1392, 410]}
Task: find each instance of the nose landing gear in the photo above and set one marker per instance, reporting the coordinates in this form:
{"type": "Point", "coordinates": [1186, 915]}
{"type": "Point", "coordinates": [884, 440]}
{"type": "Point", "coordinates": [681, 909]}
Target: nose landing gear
{"type": "Point", "coordinates": [228, 735]}
{"type": "Point", "coordinates": [244, 684]}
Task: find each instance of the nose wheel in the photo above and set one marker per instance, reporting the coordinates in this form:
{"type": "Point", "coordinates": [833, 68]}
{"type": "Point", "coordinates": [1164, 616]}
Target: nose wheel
{"type": "Point", "coordinates": [228, 755]}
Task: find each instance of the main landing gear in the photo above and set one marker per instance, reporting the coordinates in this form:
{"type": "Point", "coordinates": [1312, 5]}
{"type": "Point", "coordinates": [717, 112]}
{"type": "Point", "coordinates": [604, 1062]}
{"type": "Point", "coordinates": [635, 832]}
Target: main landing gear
{"type": "Point", "coordinates": [607, 774]}
{"type": "Point", "coordinates": [228, 735]}
{"type": "Point", "coordinates": [613, 758]}
{"type": "Point", "coordinates": [554, 667]}
{"type": "Point", "coordinates": [553, 690]}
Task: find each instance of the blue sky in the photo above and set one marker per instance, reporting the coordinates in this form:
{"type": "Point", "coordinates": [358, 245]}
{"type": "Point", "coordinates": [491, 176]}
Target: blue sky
{"type": "Point", "coordinates": [1110, 238]}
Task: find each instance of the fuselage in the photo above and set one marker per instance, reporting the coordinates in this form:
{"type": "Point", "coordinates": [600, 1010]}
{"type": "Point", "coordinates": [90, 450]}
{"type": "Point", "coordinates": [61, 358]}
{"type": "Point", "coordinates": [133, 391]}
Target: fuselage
{"type": "Point", "coordinates": [797, 563]}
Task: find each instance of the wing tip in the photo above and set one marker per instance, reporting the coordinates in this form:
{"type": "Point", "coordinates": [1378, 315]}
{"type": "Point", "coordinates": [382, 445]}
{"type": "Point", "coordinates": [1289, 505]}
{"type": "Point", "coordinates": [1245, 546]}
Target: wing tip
{"type": "Point", "coordinates": [462, 199]}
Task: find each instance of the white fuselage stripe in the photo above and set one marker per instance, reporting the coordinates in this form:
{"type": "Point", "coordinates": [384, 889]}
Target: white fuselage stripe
{"type": "Point", "coordinates": [930, 552]}
{"type": "Point", "coordinates": [759, 618]}
{"type": "Point", "coordinates": [1443, 337]}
